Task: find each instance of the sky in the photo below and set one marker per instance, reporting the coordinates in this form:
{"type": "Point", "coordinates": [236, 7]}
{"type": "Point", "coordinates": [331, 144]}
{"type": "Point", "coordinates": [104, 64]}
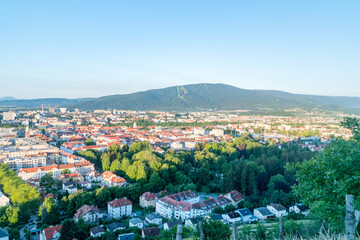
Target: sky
{"type": "Point", "coordinates": [87, 48]}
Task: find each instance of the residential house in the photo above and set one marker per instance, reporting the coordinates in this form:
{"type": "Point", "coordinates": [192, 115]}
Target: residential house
{"type": "Point", "coordinates": [126, 236]}
{"type": "Point", "coordinates": [73, 177]}
{"type": "Point", "coordinates": [115, 226]}
{"type": "Point", "coordinates": [51, 233]}
{"type": "Point", "coordinates": [93, 176]}
{"type": "Point", "coordinates": [70, 187]}
{"type": "Point", "coordinates": [300, 208]}
{"type": "Point", "coordinates": [147, 199]}
{"type": "Point", "coordinates": [153, 218]}
{"type": "Point", "coordinates": [278, 210]}
{"type": "Point", "coordinates": [263, 213]}
{"type": "Point", "coordinates": [97, 231]}
{"type": "Point", "coordinates": [136, 222]}
{"type": "Point", "coordinates": [246, 215]}
{"type": "Point", "coordinates": [191, 222]}
{"type": "Point", "coordinates": [110, 179]}
{"type": "Point", "coordinates": [150, 232]}
{"type": "Point", "coordinates": [172, 224]}
{"type": "Point", "coordinates": [233, 217]}
{"type": "Point", "coordinates": [85, 184]}
{"type": "Point", "coordinates": [119, 207]}
{"type": "Point", "coordinates": [235, 197]}
{"type": "Point", "coordinates": [90, 214]}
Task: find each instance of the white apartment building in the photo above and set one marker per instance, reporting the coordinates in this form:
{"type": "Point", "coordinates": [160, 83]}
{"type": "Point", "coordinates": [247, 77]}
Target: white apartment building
{"type": "Point", "coordinates": [25, 162]}
{"type": "Point", "coordinates": [119, 207]}
{"type": "Point", "coordinates": [9, 116]}
{"type": "Point", "coordinates": [4, 200]}
{"type": "Point", "coordinates": [82, 167]}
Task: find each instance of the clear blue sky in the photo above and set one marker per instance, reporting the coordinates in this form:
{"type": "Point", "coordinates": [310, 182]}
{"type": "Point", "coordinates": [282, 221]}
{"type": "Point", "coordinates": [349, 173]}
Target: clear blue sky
{"type": "Point", "coordinates": [96, 48]}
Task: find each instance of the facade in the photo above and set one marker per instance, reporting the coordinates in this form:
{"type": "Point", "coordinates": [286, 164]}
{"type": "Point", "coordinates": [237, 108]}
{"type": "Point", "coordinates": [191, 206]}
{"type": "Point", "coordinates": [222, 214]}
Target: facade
{"type": "Point", "coordinates": [136, 222]}
{"type": "Point", "coordinates": [235, 197]}
{"type": "Point", "coordinates": [110, 179]}
{"type": "Point", "coordinates": [299, 208]}
{"type": "Point", "coordinates": [119, 208]}
{"type": "Point", "coordinates": [148, 199]}
{"type": "Point", "coordinates": [246, 215]}
{"type": "Point", "coordinates": [51, 233]}
{"type": "Point", "coordinates": [233, 217]}
{"type": "Point", "coordinates": [278, 210]}
{"type": "Point", "coordinates": [262, 213]}
{"type": "Point", "coordinates": [187, 205]}
{"type": "Point", "coordinates": [82, 167]}
{"type": "Point", "coordinates": [90, 214]}
{"type": "Point", "coordinates": [9, 116]}
{"type": "Point", "coordinates": [97, 231]}
{"type": "Point", "coordinates": [25, 162]}
{"type": "Point", "coordinates": [153, 218]}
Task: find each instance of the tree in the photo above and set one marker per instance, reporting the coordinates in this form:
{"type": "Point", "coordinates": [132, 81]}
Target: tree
{"type": "Point", "coordinates": [65, 171]}
{"type": "Point", "coordinates": [353, 125]}
{"type": "Point", "coordinates": [324, 180]}
{"type": "Point", "coordinates": [89, 142]}
{"type": "Point", "coordinates": [47, 178]}
{"type": "Point", "coordinates": [214, 230]}
{"type": "Point", "coordinates": [115, 165]}
{"type": "Point", "coordinates": [105, 160]}
{"type": "Point", "coordinates": [68, 230]}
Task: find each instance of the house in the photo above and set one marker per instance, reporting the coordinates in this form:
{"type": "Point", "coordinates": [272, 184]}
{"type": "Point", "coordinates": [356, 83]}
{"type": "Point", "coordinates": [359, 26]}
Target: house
{"type": "Point", "coordinates": [150, 232]}
{"type": "Point", "coordinates": [93, 176]}
{"type": "Point", "coordinates": [85, 184]}
{"type": "Point", "coordinates": [246, 215]}
{"type": "Point", "coordinates": [110, 179]}
{"type": "Point", "coordinates": [153, 218]}
{"type": "Point", "coordinates": [233, 217]}
{"type": "Point", "coordinates": [235, 197]}
{"type": "Point", "coordinates": [119, 207]}
{"type": "Point", "coordinates": [170, 225]}
{"type": "Point", "coordinates": [191, 222]}
{"type": "Point", "coordinates": [50, 233]}
{"type": "Point", "coordinates": [147, 199]}
{"type": "Point", "coordinates": [300, 208]}
{"type": "Point", "coordinates": [90, 214]}
{"type": "Point", "coordinates": [115, 226]}
{"type": "Point", "coordinates": [126, 236]}
{"type": "Point", "coordinates": [136, 222]}
{"type": "Point", "coordinates": [74, 177]}
{"type": "Point", "coordinates": [4, 234]}
{"type": "Point", "coordinates": [217, 217]}
{"type": "Point", "coordinates": [70, 187]}
{"type": "Point", "coordinates": [97, 231]}
{"type": "Point", "coordinates": [4, 200]}
{"type": "Point", "coordinates": [263, 213]}
{"type": "Point", "coordinates": [278, 210]}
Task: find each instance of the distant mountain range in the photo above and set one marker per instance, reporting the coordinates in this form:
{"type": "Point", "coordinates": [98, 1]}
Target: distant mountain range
{"type": "Point", "coordinates": [199, 97]}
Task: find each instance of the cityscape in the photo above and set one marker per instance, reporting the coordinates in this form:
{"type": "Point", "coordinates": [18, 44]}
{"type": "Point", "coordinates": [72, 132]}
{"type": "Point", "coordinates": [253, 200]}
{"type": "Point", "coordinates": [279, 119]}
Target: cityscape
{"type": "Point", "coordinates": [164, 120]}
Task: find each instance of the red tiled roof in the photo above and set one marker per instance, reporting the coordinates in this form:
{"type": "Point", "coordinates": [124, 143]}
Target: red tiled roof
{"type": "Point", "coordinates": [49, 232]}
{"type": "Point", "coordinates": [120, 202]}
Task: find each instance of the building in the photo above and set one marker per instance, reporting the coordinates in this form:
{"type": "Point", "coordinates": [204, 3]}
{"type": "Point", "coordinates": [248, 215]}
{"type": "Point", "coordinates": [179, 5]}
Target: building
{"type": "Point", "coordinates": [300, 208]}
{"type": "Point", "coordinates": [18, 163]}
{"type": "Point", "coordinates": [119, 208]}
{"type": "Point", "coordinates": [148, 199]}
{"type": "Point", "coordinates": [115, 226]}
{"type": "Point", "coordinates": [126, 236]}
{"type": "Point", "coordinates": [278, 210]}
{"type": "Point", "coordinates": [153, 218]}
{"type": "Point", "coordinates": [82, 167]}
{"type": "Point", "coordinates": [4, 200]}
{"type": "Point", "coordinates": [233, 217]}
{"type": "Point", "coordinates": [110, 179]}
{"type": "Point", "coordinates": [191, 222]}
{"type": "Point", "coordinates": [97, 231]}
{"type": "Point", "coordinates": [150, 232]}
{"type": "Point", "coordinates": [70, 187]}
{"type": "Point", "coordinates": [51, 233]}
{"type": "Point", "coordinates": [235, 197]}
{"type": "Point", "coordinates": [263, 213]}
{"type": "Point", "coordinates": [136, 222]}
{"type": "Point", "coordinates": [90, 214]}
{"type": "Point", "coordinates": [74, 177]}
{"type": "Point", "coordinates": [246, 215]}
{"type": "Point", "coordinates": [170, 225]}
{"type": "Point", "coordinates": [187, 204]}
{"type": "Point", "coordinates": [9, 116]}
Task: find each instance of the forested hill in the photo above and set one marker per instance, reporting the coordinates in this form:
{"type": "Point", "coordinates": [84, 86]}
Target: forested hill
{"type": "Point", "coordinates": [216, 97]}
{"type": "Point", "coordinates": [200, 97]}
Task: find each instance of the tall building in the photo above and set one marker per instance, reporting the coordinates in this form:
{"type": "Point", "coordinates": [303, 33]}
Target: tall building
{"type": "Point", "coordinates": [9, 116]}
